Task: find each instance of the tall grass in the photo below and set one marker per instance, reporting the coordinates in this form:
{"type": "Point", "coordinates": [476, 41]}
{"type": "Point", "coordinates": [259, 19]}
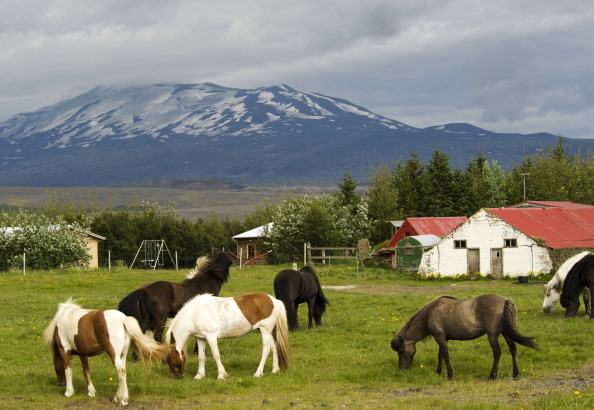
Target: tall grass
{"type": "Point", "coordinates": [346, 363]}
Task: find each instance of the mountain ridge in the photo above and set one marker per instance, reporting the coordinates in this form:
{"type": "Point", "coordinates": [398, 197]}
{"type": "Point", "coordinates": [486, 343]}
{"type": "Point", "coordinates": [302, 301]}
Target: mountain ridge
{"type": "Point", "coordinates": [268, 135]}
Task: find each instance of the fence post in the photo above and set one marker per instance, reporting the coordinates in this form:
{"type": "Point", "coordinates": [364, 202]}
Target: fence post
{"type": "Point", "coordinates": [304, 253]}
{"type": "Point", "coordinates": [109, 261]}
{"type": "Point", "coordinates": [24, 263]}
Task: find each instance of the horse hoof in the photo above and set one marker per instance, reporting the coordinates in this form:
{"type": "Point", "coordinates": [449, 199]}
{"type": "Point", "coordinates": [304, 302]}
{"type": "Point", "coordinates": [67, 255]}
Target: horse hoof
{"type": "Point", "coordinates": [258, 374]}
{"type": "Point", "coordinates": [199, 377]}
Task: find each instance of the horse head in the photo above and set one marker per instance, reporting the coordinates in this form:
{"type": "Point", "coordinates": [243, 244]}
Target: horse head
{"type": "Point", "coordinates": [177, 363]}
{"type": "Point", "coordinates": [406, 350]}
{"type": "Point", "coordinates": [552, 295]}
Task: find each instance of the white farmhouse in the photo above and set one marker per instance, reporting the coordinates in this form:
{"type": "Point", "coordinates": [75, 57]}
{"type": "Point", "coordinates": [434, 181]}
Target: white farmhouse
{"type": "Point", "coordinates": [509, 241]}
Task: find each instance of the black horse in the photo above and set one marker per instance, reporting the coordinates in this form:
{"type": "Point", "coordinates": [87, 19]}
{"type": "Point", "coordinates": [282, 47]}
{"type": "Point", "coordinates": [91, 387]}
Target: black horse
{"type": "Point", "coordinates": [581, 275]}
{"type": "Point", "coordinates": [152, 303]}
{"type": "Point", "coordinates": [295, 287]}
{"type": "Point", "coordinates": [447, 318]}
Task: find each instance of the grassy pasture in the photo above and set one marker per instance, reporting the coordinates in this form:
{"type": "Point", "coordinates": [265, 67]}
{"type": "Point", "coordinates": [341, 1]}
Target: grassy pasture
{"type": "Point", "coordinates": [346, 363]}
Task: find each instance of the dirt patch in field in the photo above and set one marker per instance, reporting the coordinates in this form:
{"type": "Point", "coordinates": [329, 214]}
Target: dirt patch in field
{"type": "Point", "coordinates": [418, 290]}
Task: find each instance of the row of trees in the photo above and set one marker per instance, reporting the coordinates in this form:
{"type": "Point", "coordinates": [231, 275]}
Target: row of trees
{"type": "Point", "coordinates": [408, 188]}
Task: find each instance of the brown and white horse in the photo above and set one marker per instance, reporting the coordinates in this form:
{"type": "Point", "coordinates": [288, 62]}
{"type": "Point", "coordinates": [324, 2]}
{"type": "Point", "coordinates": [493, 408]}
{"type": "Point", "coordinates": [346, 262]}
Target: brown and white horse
{"type": "Point", "coordinates": [85, 332]}
{"type": "Point", "coordinates": [208, 318]}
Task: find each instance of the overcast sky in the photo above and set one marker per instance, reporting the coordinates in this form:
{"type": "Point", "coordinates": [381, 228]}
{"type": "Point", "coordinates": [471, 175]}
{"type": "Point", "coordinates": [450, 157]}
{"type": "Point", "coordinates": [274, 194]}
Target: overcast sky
{"type": "Point", "coordinates": [507, 65]}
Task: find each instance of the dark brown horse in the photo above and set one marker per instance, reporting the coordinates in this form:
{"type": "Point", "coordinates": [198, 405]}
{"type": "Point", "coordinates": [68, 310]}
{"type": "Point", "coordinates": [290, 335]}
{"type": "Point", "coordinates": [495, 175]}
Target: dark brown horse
{"type": "Point", "coordinates": [580, 276]}
{"type": "Point", "coordinates": [302, 286]}
{"type": "Point", "coordinates": [153, 303]}
{"type": "Point", "coordinates": [447, 318]}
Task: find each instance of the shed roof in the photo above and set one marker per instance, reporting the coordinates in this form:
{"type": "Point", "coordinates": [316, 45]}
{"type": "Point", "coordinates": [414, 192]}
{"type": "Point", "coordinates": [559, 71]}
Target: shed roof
{"type": "Point", "coordinates": [424, 240]}
{"type": "Point", "coordinates": [571, 227]}
{"type": "Point", "coordinates": [439, 226]}
{"type": "Point", "coordinates": [254, 233]}
{"type": "Point", "coordinates": [549, 204]}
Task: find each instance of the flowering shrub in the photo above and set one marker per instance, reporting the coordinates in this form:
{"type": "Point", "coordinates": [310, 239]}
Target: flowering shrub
{"type": "Point", "coordinates": [48, 243]}
{"type": "Point", "coordinates": [321, 221]}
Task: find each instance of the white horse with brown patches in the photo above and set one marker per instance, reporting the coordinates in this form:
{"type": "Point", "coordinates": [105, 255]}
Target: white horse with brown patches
{"type": "Point", "coordinates": [84, 332]}
{"type": "Point", "coordinates": [209, 318]}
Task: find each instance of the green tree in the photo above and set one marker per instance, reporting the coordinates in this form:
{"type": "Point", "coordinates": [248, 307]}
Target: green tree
{"type": "Point", "coordinates": [440, 190]}
{"type": "Point", "coordinates": [47, 242]}
{"type": "Point", "coordinates": [382, 200]}
{"type": "Point", "coordinates": [348, 187]}
{"type": "Point", "coordinates": [410, 181]}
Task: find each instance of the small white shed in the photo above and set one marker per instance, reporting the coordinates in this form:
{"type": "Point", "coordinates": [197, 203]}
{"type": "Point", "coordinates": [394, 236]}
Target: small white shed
{"type": "Point", "coordinates": [488, 245]}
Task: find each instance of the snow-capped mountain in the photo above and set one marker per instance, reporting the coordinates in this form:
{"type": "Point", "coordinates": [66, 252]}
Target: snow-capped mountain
{"type": "Point", "coordinates": [277, 135]}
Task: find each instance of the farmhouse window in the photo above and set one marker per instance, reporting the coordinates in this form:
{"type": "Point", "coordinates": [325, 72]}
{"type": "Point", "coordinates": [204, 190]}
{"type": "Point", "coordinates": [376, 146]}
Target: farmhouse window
{"type": "Point", "coordinates": [511, 243]}
{"type": "Point", "coordinates": [407, 234]}
{"type": "Point", "coordinates": [460, 244]}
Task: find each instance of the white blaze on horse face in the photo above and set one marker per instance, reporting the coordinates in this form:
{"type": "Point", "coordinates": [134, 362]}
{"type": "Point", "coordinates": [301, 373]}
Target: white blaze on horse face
{"type": "Point", "coordinates": [551, 298]}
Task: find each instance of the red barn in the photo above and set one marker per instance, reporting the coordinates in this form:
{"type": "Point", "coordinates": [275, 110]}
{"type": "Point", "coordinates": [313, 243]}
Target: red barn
{"type": "Point", "coordinates": [439, 226]}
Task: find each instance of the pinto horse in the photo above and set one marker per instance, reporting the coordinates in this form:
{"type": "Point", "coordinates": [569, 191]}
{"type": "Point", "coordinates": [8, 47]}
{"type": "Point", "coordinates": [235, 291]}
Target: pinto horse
{"type": "Point", "coordinates": [208, 318]}
{"type": "Point", "coordinates": [579, 277]}
{"type": "Point", "coordinates": [447, 318]}
{"type": "Point", "coordinates": [302, 286]}
{"type": "Point", "coordinates": [553, 288]}
{"type": "Point", "coordinates": [85, 332]}
{"type": "Point", "coordinates": [152, 303]}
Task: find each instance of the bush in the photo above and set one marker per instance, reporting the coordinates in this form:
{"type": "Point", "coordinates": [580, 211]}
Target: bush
{"type": "Point", "coordinates": [47, 242]}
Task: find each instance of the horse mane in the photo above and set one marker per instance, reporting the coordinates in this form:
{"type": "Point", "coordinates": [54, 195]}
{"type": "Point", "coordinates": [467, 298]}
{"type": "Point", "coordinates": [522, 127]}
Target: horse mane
{"type": "Point", "coordinates": [572, 285]}
{"type": "Point", "coordinates": [422, 311]}
{"type": "Point", "coordinates": [565, 267]}
{"type": "Point", "coordinates": [217, 268]}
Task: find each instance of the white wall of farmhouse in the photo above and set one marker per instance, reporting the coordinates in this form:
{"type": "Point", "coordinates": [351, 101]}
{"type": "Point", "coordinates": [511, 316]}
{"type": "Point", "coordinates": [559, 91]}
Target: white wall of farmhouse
{"type": "Point", "coordinates": [485, 238]}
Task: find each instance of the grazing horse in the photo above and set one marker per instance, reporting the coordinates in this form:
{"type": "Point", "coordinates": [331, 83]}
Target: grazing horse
{"type": "Point", "coordinates": [153, 303]}
{"type": "Point", "coordinates": [447, 318]}
{"type": "Point", "coordinates": [295, 287]}
{"type": "Point", "coordinates": [580, 276]}
{"type": "Point", "coordinates": [552, 289]}
{"type": "Point", "coordinates": [208, 318]}
{"type": "Point", "coordinates": [85, 332]}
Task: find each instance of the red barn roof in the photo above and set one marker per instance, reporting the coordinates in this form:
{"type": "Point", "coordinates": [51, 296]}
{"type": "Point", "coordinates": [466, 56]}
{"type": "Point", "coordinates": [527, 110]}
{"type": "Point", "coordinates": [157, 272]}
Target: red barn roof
{"type": "Point", "coordinates": [561, 227]}
{"type": "Point", "coordinates": [549, 204]}
{"type": "Point", "coordinates": [439, 226]}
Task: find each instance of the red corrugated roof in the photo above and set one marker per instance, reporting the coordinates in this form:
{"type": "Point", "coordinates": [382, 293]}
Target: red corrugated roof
{"type": "Point", "coordinates": [552, 204]}
{"type": "Point", "coordinates": [439, 226]}
{"type": "Point", "coordinates": [565, 227]}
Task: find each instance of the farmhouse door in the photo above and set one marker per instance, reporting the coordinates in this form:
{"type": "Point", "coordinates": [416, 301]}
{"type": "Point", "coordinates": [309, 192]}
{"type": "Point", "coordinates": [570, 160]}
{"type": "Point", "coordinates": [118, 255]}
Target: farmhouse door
{"type": "Point", "coordinates": [497, 262]}
{"type": "Point", "coordinates": [474, 262]}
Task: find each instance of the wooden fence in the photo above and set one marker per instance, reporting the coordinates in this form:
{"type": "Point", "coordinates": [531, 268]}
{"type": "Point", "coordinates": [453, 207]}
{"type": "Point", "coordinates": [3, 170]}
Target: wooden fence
{"type": "Point", "coordinates": [325, 255]}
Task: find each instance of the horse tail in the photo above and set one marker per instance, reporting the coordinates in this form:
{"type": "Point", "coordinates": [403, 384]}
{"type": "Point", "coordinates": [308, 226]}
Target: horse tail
{"type": "Point", "coordinates": [146, 347]}
{"type": "Point", "coordinates": [281, 335]}
{"type": "Point", "coordinates": [510, 329]}
{"type": "Point", "coordinates": [130, 305]}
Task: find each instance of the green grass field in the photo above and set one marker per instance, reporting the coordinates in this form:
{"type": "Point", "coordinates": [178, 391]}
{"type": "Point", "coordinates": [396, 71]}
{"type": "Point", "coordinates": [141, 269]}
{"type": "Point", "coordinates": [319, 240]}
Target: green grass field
{"type": "Point", "coordinates": [346, 363]}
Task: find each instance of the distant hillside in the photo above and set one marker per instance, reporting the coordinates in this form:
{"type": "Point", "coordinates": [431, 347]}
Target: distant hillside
{"type": "Point", "coordinates": [264, 136]}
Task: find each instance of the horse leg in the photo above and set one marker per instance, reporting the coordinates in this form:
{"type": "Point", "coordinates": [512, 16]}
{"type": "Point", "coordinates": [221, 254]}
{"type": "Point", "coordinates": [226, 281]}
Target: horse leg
{"type": "Point", "coordinates": [513, 350]}
{"type": "Point", "coordinates": [212, 342]}
{"type": "Point", "coordinates": [87, 373]}
{"type": "Point", "coordinates": [58, 365]}
{"type": "Point", "coordinates": [494, 342]}
{"type": "Point", "coordinates": [443, 353]}
{"type": "Point", "coordinates": [201, 346]}
{"type": "Point", "coordinates": [439, 361]}
{"type": "Point", "coordinates": [67, 359]}
{"type": "Point", "coordinates": [267, 343]}
{"type": "Point", "coordinates": [587, 295]}
{"type": "Point", "coordinates": [121, 396]}
{"type": "Point", "coordinates": [310, 307]}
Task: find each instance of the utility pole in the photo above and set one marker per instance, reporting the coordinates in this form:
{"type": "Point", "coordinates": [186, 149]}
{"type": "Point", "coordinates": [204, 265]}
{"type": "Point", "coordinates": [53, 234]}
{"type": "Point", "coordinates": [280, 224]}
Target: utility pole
{"type": "Point", "coordinates": [524, 177]}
